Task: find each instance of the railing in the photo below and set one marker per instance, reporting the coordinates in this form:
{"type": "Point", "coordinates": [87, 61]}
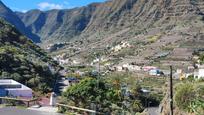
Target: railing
{"type": "Point", "coordinates": [27, 101]}
{"type": "Point", "coordinates": [80, 109]}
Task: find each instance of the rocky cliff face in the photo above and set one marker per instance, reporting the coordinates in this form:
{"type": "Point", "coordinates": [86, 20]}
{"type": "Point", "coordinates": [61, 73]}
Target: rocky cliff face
{"type": "Point", "coordinates": [110, 16]}
{"type": "Point", "coordinates": [128, 12]}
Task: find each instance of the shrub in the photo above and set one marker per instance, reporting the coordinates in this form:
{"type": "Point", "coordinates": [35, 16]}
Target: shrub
{"type": "Point", "coordinates": [184, 96]}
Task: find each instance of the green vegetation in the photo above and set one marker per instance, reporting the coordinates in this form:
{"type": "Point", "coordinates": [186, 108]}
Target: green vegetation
{"type": "Point", "coordinates": [90, 91]}
{"type": "Point", "coordinates": [25, 62]}
{"type": "Point", "coordinates": [201, 57]}
{"type": "Point", "coordinates": [153, 84]}
{"type": "Point", "coordinates": [80, 68]}
{"type": "Point", "coordinates": [115, 93]}
{"type": "Point", "coordinates": [125, 52]}
{"type": "Point", "coordinates": [154, 38]}
{"type": "Point", "coordinates": [95, 53]}
{"type": "Point", "coordinates": [189, 97]}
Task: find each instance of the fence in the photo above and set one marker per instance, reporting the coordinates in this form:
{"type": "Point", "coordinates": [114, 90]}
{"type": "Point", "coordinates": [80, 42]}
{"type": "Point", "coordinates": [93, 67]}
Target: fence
{"type": "Point", "coordinates": [78, 109]}
{"type": "Point", "coordinates": [26, 101]}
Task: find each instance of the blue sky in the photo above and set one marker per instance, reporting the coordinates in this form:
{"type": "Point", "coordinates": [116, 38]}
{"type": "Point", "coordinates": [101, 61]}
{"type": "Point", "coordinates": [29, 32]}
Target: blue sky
{"type": "Point", "coordinates": [25, 5]}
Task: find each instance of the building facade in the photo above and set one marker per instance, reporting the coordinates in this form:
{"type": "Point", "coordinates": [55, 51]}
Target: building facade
{"type": "Point", "coordinates": [11, 88]}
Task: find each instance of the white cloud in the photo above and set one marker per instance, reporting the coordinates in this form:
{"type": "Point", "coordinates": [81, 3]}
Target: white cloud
{"type": "Point", "coordinates": [24, 11]}
{"type": "Point", "coordinates": [48, 6]}
{"type": "Point", "coordinates": [66, 3]}
{"type": "Point", "coordinates": [19, 10]}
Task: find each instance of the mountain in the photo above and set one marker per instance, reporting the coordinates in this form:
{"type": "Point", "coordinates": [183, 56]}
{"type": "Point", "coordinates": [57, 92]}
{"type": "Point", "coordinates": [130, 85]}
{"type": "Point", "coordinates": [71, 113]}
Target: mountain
{"type": "Point", "coordinates": [25, 62]}
{"type": "Point", "coordinates": [12, 18]}
{"type": "Point", "coordinates": [160, 32]}
{"type": "Point", "coordinates": [110, 16]}
{"type": "Point", "coordinates": [57, 25]}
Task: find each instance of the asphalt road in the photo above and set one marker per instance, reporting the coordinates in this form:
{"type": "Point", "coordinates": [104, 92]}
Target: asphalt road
{"type": "Point", "coordinates": [18, 111]}
{"type": "Point", "coordinates": [153, 111]}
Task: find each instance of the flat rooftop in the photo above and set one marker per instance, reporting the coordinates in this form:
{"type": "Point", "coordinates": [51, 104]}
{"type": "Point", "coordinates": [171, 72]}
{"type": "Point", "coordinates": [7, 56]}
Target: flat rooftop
{"type": "Point", "coordinates": [10, 84]}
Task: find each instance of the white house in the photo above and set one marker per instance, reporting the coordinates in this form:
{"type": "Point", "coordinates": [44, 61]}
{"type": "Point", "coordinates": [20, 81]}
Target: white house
{"type": "Point", "coordinates": [76, 62]}
{"type": "Point", "coordinates": [155, 72]}
{"type": "Point", "coordinates": [200, 73]}
{"type": "Point", "coordinates": [130, 67]}
{"type": "Point", "coordinates": [120, 46]}
{"type": "Point", "coordinates": [118, 68]}
{"type": "Point", "coordinates": [9, 87]}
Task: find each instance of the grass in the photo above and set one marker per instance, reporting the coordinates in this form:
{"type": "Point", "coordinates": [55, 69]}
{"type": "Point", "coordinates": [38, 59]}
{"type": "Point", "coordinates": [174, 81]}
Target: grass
{"type": "Point", "coordinates": [126, 52]}
{"type": "Point", "coordinates": [80, 68]}
{"type": "Point", "coordinates": [155, 84]}
{"type": "Point", "coordinates": [152, 39]}
{"type": "Point", "coordinates": [2, 105]}
{"type": "Point", "coordinates": [9, 105]}
{"type": "Point", "coordinates": [159, 64]}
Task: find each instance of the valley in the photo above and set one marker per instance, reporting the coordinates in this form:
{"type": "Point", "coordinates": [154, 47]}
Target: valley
{"type": "Point", "coordinates": [111, 57]}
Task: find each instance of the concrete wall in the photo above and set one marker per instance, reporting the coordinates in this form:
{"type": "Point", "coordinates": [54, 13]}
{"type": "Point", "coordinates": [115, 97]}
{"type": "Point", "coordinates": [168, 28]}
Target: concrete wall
{"type": "Point", "coordinates": [200, 73]}
{"type": "Point", "coordinates": [2, 93]}
{"type": "Point", "coordinates": [20, 93]}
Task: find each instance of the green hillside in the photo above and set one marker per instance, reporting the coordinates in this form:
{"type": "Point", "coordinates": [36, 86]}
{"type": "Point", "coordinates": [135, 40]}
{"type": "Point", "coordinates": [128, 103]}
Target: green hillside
{"type": "Point", "coordinates": [24, 61]}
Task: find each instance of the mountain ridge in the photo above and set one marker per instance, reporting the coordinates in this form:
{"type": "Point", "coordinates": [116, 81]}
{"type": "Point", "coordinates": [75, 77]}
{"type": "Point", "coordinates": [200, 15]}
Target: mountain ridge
{"type": "Point", "coordinates": [12, 18]}
{"type": "Point", "coordinates": [57, 24]}
{"type": "Point", "coordinates": [109, 15]}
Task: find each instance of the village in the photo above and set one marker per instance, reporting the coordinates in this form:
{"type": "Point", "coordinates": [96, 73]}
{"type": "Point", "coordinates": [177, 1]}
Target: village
{"type": "Point", "coordinates": [75, 69]}
{"type": "Point", "coordinates": [180, 57]}
{"type": "Point", "coordinates": [102, 57]}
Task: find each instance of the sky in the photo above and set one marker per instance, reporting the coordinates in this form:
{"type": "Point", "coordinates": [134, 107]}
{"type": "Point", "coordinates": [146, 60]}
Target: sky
{"type": "Point", "coordinates": [25, 5]}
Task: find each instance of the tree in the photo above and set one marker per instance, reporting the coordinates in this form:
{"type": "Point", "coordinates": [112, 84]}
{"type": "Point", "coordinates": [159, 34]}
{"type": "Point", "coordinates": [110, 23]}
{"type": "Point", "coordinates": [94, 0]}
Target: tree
{"type": "Point", "coordinates": [136, 90]}
{"type": "Point", "coordinates": [137, 106]}
{"type": "Point", "coordinates": [91, 90]}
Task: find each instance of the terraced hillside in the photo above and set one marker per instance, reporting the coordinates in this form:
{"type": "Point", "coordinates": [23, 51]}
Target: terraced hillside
{"type": "Point", "coordinates": [152, 27]}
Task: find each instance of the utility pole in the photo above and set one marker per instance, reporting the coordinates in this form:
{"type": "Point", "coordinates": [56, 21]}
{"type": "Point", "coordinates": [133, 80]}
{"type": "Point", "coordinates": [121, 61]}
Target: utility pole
{"type": "Point", "coordinates": [99, 55]}
{"type": "Point", "coordinates": [99, 66]}
{"type": "Point", "coordinates": [171, 90]}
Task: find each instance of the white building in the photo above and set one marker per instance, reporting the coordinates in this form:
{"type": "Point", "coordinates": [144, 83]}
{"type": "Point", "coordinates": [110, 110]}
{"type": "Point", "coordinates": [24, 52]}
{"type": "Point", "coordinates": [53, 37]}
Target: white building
{"type": "Point", "coordinates": [132, 68]}
{"type": "Point", "coordinates": [120, 46]}
{"type": "Point", "coordinates": [9, 87]}
{"type": "Point", "coordinates": [200, 73]}
{"type": "Point", "coordinates": [155, 72]}
{"type": "Point", "coordinates": [118, 68]}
